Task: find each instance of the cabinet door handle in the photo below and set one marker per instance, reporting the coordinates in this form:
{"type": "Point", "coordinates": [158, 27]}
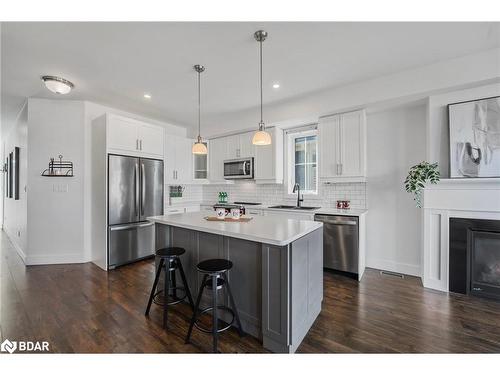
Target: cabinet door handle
{"type": "Point", "coordinates": [140, 144]}
{"type": "Point", "coordinates": [137, 144]}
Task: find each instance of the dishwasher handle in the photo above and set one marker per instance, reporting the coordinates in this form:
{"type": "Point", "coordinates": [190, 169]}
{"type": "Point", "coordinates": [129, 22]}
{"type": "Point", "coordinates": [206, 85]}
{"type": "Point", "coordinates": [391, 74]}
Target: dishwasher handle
{"type": "Point", "coordinates": [335, 220]}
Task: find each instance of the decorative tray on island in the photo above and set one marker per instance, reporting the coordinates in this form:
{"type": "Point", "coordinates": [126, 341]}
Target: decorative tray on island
{"type": "Point", "coordinates": [229, 219]}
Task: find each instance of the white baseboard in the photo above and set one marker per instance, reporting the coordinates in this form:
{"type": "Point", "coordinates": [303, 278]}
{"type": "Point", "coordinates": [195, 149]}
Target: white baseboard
{"type": "Point", "coordinates": [32, 260]}
{"type": "Point", "coordinates": [390, 265]}
{"type": "Point", "coordinates": [16, 246]}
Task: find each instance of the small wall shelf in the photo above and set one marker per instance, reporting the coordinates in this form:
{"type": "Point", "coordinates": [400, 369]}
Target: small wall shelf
{"type": "Point", "coordinates": [59, 168]}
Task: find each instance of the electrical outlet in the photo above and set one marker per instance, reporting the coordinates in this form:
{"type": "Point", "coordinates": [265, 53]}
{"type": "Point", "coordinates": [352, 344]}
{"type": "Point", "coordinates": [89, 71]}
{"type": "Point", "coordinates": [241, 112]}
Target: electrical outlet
{"type": "Point", "coordinates": [60, 188]}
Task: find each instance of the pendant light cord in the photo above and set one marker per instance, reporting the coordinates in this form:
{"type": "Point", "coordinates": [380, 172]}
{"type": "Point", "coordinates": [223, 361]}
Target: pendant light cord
{"type": "Point", "coordinates": [261, 116]}
{"type": "Point", "coordinates": [199, 105]}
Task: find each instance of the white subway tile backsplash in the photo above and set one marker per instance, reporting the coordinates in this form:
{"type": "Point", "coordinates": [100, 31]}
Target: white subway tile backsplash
{"type": "Point", "coordinates": [276, 194]}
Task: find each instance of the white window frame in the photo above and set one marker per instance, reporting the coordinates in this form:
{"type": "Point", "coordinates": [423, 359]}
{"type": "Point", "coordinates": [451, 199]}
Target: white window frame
{"type": "Point", "coordinates": [290, 160]}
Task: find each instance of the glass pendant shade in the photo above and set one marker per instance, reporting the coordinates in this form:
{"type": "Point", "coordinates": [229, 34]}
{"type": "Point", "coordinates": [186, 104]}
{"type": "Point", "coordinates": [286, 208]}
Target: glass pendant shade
{"type": "Point", "coordinates": [199, 148]}
{"type": "Point", "coordinates": [261, 138]}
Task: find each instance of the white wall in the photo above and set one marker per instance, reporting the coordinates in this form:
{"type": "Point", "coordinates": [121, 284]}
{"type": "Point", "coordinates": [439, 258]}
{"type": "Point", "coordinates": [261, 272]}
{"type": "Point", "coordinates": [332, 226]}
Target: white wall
{"type": "Point", "coordinates": [394, 89]}
{"type": "Point", "coordinates": [15, 211]}
{"type": "Point", "coordinates": [55, 219]}
{"type": "Point", "coordinates": [396, 141]}
{"type": "Point", "coordinates": [438, 147]}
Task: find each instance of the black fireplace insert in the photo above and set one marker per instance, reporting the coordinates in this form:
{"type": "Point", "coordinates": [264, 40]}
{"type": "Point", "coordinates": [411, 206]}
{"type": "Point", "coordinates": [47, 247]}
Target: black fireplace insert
{"type": "Point", "coordinates": [474, 263]}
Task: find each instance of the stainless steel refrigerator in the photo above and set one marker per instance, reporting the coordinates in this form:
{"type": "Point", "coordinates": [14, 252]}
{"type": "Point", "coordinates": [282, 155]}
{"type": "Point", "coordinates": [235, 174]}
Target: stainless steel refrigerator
{"type": "Point", "coordinates": [135, 191]}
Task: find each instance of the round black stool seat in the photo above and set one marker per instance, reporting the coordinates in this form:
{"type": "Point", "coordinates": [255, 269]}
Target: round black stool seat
{"type": "Point", "coordinates": [170, 252]}
{"type": "Point", "coordinates": [214, 266]}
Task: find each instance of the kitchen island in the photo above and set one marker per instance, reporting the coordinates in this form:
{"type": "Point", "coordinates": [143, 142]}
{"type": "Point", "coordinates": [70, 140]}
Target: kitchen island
{"type": "Point", "coordinates": [277, 274]}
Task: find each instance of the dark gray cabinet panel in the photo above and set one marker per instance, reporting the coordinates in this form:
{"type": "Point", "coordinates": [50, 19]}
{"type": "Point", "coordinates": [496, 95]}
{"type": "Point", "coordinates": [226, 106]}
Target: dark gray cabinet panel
{"type": "Point", "coordinates": [278, 290]}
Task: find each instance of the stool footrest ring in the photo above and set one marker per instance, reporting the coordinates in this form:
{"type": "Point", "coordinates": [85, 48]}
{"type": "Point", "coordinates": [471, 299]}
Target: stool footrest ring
{"type": "Point", "coordinates": [224, 327]}
{"type": "Point", "coordinates": [158, 297]}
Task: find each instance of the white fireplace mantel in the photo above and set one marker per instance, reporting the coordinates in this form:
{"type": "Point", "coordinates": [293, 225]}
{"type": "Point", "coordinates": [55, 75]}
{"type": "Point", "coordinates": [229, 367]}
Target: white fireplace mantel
{"type": "Point", "coordinates": [466, 198]}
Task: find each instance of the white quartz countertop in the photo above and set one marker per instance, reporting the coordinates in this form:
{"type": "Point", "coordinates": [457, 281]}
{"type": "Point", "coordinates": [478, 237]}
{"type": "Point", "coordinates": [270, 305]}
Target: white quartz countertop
{"type": "Point", "coordinates": [320, 210]}
{"type": "Point", "coordinates": [273, 230]}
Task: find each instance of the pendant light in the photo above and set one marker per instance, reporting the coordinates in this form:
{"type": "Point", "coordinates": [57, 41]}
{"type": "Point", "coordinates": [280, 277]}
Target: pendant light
{"type": "Point", "coordinates": [199, 147]}
{"type": "Point", "coordinates": [261, 137]}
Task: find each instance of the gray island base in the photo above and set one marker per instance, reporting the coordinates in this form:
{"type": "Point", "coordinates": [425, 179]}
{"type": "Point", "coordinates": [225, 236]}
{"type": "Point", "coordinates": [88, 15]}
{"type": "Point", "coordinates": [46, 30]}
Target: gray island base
{"type": "Point", "coordinates": [277, 274]}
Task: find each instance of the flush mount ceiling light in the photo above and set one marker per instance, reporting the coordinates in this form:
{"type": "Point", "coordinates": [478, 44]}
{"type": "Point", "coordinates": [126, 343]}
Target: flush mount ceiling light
{"type": "Point", "coordinates": [261, 137]}
{"type": "Point", "coordinates": [199, 147]}
{"type": "Point", "coordinates": [276, 85]}
{"type": "Point", "coordinates": [147, 96]}
{"type": "Point", "coordinates": [57, 85]}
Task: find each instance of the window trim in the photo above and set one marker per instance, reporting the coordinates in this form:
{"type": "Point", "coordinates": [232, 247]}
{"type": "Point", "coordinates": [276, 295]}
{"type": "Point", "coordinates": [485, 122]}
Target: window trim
{"type": "Point", "coordinates": [290, 159]}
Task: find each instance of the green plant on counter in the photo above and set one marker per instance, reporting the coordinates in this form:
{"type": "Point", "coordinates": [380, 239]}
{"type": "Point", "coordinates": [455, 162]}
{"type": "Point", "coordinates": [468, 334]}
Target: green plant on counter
{"type": "Point", "coordinates": [418, 176]}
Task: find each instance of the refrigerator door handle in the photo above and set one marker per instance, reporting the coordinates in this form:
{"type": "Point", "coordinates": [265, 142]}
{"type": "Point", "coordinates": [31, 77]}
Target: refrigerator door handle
{"type": "Point", "coordinates": [130, 226]}
{"type": "Point", "coordinates": [136, 190]}
{"type": "Point", "coordinates": [143, 190]}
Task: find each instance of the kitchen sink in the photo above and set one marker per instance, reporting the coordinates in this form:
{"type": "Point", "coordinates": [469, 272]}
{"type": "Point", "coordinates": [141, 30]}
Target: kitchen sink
{"type": "Point", "coordinates": [283, 207]}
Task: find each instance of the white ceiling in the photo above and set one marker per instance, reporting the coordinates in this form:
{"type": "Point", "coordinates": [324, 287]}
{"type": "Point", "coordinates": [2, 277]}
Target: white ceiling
{"type": "Point", "coordinates": [116, 63]}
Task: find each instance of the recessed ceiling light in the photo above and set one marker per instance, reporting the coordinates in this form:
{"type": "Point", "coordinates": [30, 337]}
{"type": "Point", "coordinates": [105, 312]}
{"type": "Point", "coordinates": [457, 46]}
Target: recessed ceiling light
{"type": "Point", "coordinates": [147, 96]}
{"type": "Point", "coordinates": [276, 85]}
{"type": "Point", "coordinates": [57, 85]}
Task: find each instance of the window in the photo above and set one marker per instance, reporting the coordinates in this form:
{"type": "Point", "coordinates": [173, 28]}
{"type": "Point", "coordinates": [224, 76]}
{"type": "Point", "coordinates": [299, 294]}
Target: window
{"type": "Point", "coordinates": [302, 161]}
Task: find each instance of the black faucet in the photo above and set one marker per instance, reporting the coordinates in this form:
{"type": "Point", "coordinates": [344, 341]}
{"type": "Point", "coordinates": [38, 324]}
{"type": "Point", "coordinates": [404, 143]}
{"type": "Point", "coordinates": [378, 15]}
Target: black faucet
{"type": "Point", "coordinates": [296, 188]}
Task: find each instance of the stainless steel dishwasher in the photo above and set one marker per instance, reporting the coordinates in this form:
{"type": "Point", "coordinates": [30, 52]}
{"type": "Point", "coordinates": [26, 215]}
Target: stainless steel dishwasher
{"type": "Point", "coordinates": [340, 242]}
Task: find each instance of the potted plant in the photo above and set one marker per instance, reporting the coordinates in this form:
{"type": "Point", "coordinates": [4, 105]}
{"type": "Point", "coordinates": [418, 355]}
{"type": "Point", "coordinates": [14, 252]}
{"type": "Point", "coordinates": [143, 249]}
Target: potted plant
{"type": "Point", "coordinates": [418, 176]}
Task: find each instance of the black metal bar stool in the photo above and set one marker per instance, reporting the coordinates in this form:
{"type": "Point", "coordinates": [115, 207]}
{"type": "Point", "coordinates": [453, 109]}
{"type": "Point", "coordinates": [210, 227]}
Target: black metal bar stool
{"type": "Point", "coordinates": [214, 278]}
{"type": "Point", "coordinates": [169, 261]}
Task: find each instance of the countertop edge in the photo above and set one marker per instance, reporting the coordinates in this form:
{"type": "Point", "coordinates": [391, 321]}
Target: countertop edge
{"type": "Point", "coordinates": [254, 238]}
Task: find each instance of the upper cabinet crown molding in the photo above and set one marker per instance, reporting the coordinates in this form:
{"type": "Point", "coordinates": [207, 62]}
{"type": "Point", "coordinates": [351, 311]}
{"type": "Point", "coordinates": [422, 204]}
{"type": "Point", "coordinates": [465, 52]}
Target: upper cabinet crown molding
{"type": "Point", "coordinates": [342, 147]}
{"type": "Point", "coordinates": [133, 137]}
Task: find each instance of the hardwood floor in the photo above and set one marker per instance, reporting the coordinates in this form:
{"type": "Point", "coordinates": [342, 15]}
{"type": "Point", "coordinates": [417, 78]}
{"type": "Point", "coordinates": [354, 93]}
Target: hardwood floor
{"type": "Point", "coordinates": [82, 309]}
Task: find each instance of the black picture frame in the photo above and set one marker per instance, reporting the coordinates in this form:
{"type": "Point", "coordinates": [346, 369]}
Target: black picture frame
{"type": "Point", "coordinates": [16, 172]}
{"type": "Point", "coordinates": [10, 174]}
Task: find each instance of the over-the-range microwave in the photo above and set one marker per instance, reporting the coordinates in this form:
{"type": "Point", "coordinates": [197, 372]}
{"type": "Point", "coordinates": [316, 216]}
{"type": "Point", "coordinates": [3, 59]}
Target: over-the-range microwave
{"type": "Point", "coordinates": [238, 168]}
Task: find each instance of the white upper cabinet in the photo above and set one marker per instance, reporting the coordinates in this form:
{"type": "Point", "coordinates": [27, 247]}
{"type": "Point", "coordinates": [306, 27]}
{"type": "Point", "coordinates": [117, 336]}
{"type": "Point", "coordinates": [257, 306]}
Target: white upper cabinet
{"type": "Point", "coordinates": [239, 146]}
{"type": "Point", "coordinates": [132, 137]}
{"type": "Point", "coordinates": [342, 147]}
{"type": "Point", "coordinates": [122, 134]}
{"type": "Point", "coordinates": [269, 159]}
{"type": "Point", "coordinates": [178, 160]}
{"type": "Point", "coordinates": [151, 139]}
{"type": "Point", "coordinates": [232, 145]}
{"type": "Point", "coordinates": [247, 149]}
{"type": "Point", "coordinates": [216, 156]}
